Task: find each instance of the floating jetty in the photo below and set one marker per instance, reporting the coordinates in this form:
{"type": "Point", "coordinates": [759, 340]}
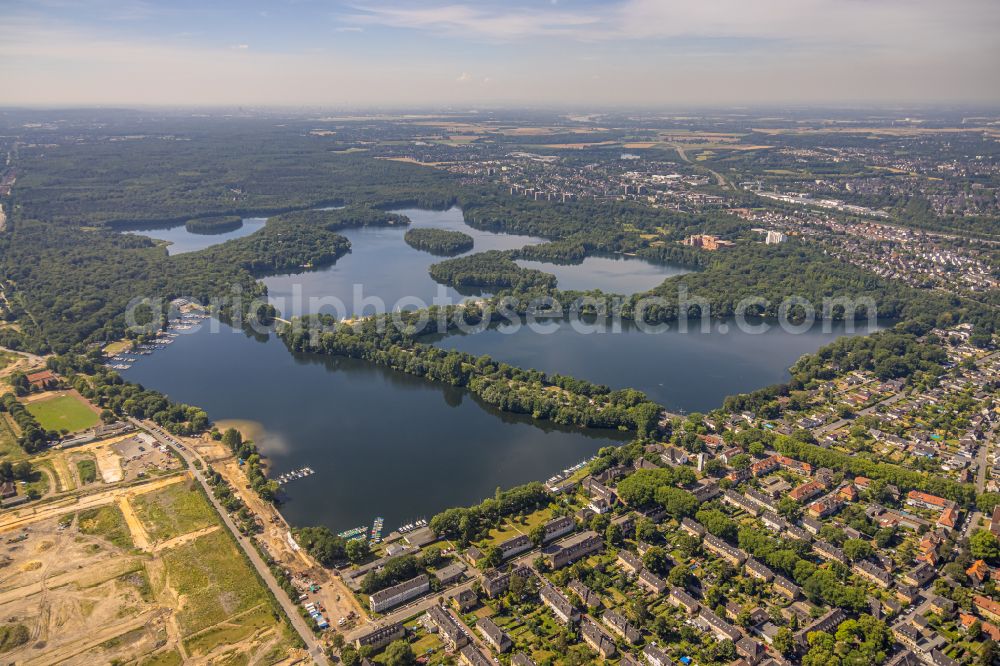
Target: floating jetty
{"type": "Point", "coordinates": [409, 527]}
{"type": "Point", "coordinates": [295, 474]}
{"type": "Point", "coordinates": [356, 533]}
{"type": "Point", "coordinates": [376, 535]}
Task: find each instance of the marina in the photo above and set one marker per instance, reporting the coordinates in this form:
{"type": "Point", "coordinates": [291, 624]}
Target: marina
{"type": "Point", "coordinates": [295, 474]}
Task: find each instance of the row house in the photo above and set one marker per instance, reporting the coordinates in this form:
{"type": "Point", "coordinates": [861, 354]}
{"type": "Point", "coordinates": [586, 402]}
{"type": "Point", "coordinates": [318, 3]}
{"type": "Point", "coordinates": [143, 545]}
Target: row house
{"type": "Point", "coordinates": [558, 527]}
{"type": "Point", "coordinates": [773, 521]}
{"type": "Point", "coordinates": [824, 506]}
{"type": "Point", "coordinates": [786, 588]}
{"type": "Point", "coordinates": [629, 562]}
{"type": "Point", "coordinates": [379, 637]}
{"type": "Point", "coordinates": [734, 556]}
{"type": "Point", "coordinates": [740, 502]}
{"type": "Point", "coordinates": [758, 569]}
{"type": "Point", "coordinates": [692, 527]}
{"type": "Point", "coordinates": [494, 635]}
{"type": "Point", "coordinates": [471, 656]}
{"type": "Point", "coordinates": [807, 491]}
{"type": "Point", "coordinates": [873, 574]}
{"type": "Point", "coordinates": [718, 626]}
{"type": "Point", "coordinates": [651, 582]}
{"type": "Point", "coordinates": [765, 502]}
{"type": "Point", "coordinates": [656, 656]}
{"type": "Point", "coordinates": [397, 594]}
{"type": "Point", "coordinates": [620, 625]}
{"type": "Point", "coordinates": [559, 604]}
{"type": "Point", "coordinates": [827, 622]}
{"type": "Point", "coordinates": [496, 582]}
{"type": "Point", "coordinates": [680, 597]}
{"type": "Point", "coordinates": [449, 631]}
{"type": "Point", "coordinates": [829, 552]}
{"type": "Point", "coordinates": [597, 639]}
{"type": "Point", "coordinates": [589, 598]}
{"type": "Point", "coordinates": [573, 548]}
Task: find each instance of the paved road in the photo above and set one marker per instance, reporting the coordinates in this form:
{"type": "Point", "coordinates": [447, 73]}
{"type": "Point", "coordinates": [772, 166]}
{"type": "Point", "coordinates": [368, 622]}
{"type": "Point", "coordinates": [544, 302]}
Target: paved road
{"type": "Point", "coordinates": [298, 622]}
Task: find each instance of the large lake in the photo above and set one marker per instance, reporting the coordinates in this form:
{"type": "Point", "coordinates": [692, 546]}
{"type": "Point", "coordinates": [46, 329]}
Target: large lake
{"type": "Point", "coordinates": [686, 371]}
{"type": "Point", "coordinates": [179, 240]}
{"type": "Point", "coordinates": [382, 443]}
{"type": "Point", "coordinates": [387, 444]}
{"type": "Point", "coordinates": [381, 267]}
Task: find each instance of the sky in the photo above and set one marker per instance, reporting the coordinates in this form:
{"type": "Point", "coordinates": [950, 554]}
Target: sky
{"type": "Point", "coordinates": [556, 53]}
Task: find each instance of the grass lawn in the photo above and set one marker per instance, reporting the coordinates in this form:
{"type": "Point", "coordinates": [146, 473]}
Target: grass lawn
{"type": "Point", "coordinates": [173, 511]}
{"type": "Point", "coordinates": [9, 450]}
{"type": "Point", "coordinates": [63, 412]}
{"type": "Point", "coordinates": [107, 522]}
{"type": "Point", "coordinates": [213, 582]}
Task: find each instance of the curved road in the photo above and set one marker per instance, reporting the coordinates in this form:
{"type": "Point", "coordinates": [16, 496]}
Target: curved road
{"type": "Point", "coordinates": [291, 610]}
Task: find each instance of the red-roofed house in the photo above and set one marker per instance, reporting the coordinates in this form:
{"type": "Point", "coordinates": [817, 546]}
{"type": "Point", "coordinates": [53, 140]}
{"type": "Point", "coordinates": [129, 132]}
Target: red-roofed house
{"type": "Point", "coordinates": [990, 630]}
{"type": "Point", "coordinates": [978, 571]}
{"type": "Point", "coordinates": [949, 518]}
{"type": "Point", "coordinates": [926, 500]}
{"type": "Point", "coordinates": [42, 380]}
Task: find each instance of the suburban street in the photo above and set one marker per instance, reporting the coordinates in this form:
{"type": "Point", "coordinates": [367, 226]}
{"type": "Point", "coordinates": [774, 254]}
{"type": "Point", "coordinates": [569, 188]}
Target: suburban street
{"type": "Point", "coordinates": [291, 610]}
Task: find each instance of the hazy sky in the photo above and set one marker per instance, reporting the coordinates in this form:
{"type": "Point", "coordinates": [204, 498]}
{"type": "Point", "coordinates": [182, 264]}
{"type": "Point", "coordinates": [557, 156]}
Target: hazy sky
{"type": "Point", "coordinates": [552, 52]}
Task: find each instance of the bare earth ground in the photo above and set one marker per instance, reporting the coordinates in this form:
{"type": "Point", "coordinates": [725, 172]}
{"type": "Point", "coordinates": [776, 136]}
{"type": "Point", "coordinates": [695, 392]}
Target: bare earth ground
{"type": "Point", "coordinates": [105, 592]}
{"type": "Point", "coordinates": [333, 594]}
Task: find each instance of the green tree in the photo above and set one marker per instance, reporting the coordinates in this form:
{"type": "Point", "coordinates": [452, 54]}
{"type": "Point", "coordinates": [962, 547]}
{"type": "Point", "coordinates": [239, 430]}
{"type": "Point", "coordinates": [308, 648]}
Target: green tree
{"type": "Point", "coordinates": [857, 549]}
{"type": "Point", "coordinates": [984, 546]}
{"type": "Point", "coordinates": [399, 653]}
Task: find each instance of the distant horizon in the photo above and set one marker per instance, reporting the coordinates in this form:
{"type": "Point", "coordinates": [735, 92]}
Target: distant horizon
{"type": "Point", "coordinates": [354, 54]}
{"type": "Point", "coordinates": [730, 109]}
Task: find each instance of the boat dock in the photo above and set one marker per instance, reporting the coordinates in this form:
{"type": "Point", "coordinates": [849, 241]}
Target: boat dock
{"type": "Point", "coordinates": [295, 474]}
{"type": "Point", "coordinates": [356, 533]}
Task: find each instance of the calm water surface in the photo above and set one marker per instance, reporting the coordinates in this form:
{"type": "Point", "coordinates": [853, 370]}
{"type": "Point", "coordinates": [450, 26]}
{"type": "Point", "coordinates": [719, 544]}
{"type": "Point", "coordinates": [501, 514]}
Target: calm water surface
{"type": "Point", "coordinates": [612, 275]}
{"type": "Point", "coordinates": [382, 266]}
{"type": "Point", "coordinates": [382, 443]}
{"type": "Point", "coordinates": [687, 371]}
{"type": "Point", "coordinates": [181, 240]}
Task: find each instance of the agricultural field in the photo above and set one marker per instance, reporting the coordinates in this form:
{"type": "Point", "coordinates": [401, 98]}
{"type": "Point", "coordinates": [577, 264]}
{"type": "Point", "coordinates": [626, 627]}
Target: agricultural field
{"type": "Point", "coordinates": [63, 411]}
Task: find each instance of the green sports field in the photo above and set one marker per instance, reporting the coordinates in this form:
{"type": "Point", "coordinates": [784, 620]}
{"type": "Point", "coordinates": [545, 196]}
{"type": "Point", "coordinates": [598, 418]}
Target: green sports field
{"type": "Point", "coordinates": [63, 412]}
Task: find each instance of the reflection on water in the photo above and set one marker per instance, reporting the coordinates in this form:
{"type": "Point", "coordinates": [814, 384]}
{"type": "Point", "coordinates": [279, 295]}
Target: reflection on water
{"type": "Point", "coordinates": [686, 371]}
{"type": "Point", "coordinates": [381, 442]}
{"type": "Point", "coordinates": [181, 240]}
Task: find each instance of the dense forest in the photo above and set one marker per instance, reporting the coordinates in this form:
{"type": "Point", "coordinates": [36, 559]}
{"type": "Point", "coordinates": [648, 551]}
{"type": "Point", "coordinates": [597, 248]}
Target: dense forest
{"type": "Point", "coordinates": [556, 398]}
{"type": "Point", "coordinates": [164, 180]}
{"type": "Point", "coordinates": [109, 269]}
{"type": "Point", "coordinates": [218, 224]}
{"type": "Point", "coordinates": [491, 270]}
{"type": "Point", "coordinates": [443, 242]}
